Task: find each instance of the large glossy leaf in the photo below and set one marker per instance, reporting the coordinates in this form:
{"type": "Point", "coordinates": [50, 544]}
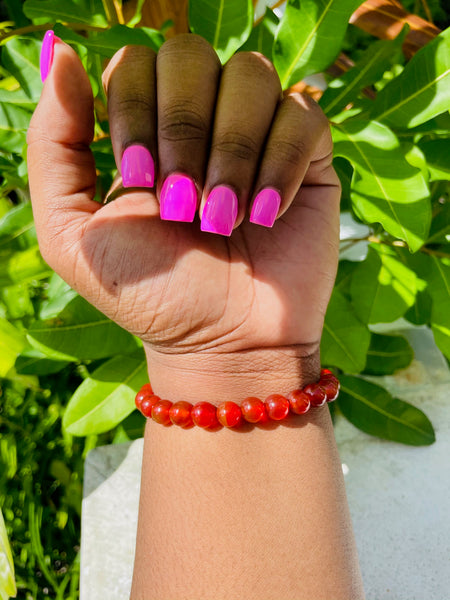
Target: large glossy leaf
{"type": "Point", "coordinates": [263, 35]}
{"type": "Point", "coordinates": [421, 91]}
{"type": "Point", "coordinates": [373, 63]}
{"type": "Point", "coordinates": [19, 267]}
{"type": "Point", "coordinates": [80, 331]}
{"type": "Point", "coordinates": [17, 227]}
{"type": "Point", "coordinates": [7, 581]}
{"type": "Point", "coordinates": [387, 354]}
{"type": "Point", "coordinates": [385, 187]}
{"type": "Point", "coordinates": [310, 36]}
{"type": "Point", "coordinates": [67, 11]}
{"type": "Point", "coordinates": [438, 277]}
{"type": "Point", "coordinates": [58, 294]}
{"type": "Point", "coordinates": [12, 342]}
{"type": "Point", "coordinates": [372, 409]}
{"type": "Point", "coordinates": [382, 287]}
{"type": "Point", "coordinates": [33, 362]}
{"type": "Point", "coordinates": [14, 121]}
{"type": "Point", "coordinates": [226, 24]}
{"type": "Point", "coordinates": [108, 42]}
{"type": "Point", "coordinates": [437, 153]}
{"type": "Point", "coordinates": [440, 226]}
{"type": "Point", "coordinates": [345, 339]}
{"type": "Point", "coordinates": [20, 56]}
{"type": "Point", "coordinates": [106, 397]}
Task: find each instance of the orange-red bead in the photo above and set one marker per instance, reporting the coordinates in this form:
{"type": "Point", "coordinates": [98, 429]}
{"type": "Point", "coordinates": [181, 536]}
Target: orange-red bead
{"type": "Point", "coordinates": [229, 414]}
{"type": "Point", "coordinates": [144, 392]}
{"type": "Point", "coordinates": [180, 414]}
{"type": "Point", "coordinates": [204, 415]}
{"type": "Point", "coordinates": [160, 412]}
{"type": "Point", "coordinates": [331, 389]}
{"type": "Point", "coordinates": [147, 405]}
{"type": "Point", "coordinates": [253, 410]}
{"type": "Point", "coordinates": [277, 407]}
{"type": "Point", "coordinates": [299, 401]}
{"type": "Point", "coordinates": [316, 394]}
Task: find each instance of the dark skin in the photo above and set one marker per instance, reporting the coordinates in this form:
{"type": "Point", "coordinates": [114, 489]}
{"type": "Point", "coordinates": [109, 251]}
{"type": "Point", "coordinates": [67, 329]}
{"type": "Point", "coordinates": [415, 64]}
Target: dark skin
{"type": "Point", "coordinates": [221, 317]}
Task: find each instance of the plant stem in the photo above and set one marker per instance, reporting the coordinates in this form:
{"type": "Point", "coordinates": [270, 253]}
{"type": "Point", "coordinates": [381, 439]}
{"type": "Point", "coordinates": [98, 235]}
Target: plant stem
{"type": "Point", "coordinates": [45, 26]}
{"type": "Point", "coordinates": [113, 11]}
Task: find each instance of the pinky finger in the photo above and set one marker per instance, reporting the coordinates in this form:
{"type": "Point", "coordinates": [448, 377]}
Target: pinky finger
{"type": "Point", "coordinates": [298, 150]}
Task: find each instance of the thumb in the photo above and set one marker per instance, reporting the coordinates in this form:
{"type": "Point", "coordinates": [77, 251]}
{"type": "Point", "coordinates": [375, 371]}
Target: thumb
{"type": "Point", "coordinates": [61, 166]}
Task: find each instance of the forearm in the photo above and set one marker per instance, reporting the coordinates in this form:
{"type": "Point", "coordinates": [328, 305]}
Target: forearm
{"type": "Point", "coordinates": [256, 515]}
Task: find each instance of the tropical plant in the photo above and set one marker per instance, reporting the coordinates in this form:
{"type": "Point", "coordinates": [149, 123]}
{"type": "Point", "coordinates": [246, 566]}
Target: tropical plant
{"type": "Point", "coordinates": [388, 109]}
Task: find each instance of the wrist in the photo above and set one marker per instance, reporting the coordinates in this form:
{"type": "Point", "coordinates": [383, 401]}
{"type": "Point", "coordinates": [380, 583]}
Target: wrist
{"type": "Point", "coordinates": [216, 378]}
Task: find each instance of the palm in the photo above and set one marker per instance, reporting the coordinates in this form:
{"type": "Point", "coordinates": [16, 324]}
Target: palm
{"type": "Point", "coordinates": [174, 286]}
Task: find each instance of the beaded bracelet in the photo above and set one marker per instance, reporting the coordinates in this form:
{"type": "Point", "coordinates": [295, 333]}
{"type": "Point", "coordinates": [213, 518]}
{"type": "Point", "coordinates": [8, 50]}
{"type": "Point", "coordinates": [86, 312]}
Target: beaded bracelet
{"type": "Point", "coordinates": [229, 414]}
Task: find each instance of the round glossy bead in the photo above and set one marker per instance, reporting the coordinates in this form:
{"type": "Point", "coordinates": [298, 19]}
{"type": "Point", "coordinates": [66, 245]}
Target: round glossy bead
{"type": "Point", "coordinates": [299, 401]}
{"type": "Point", "coordinates": [326, 373]}
{"type": "Point", "coordinates": [160, 412]}
{"type": "Point", "coordinates": [180, 414]}
{"type": "Point", "coordinates": [316, 394]}
{"type": "Point", "coordinates": [277, 407]}
{"type": "Point", "coordinates": [147, 404]}
{"type": "Point", "coordinates": [229, 414]}
{"type": "Point", "coordinates": [144, 392]}
{"type": "Point", "coordinates": [331, 389]}
{"type": "Point", "coordinates": [253, 410]}
{"type": "Point", "coordinates": [204, 415]}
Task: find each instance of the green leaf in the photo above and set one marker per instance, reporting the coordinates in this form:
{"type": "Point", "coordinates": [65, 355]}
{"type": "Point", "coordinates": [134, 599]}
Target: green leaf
{"type": "Point", "coordinates": [80, 331]}
{"type": "Point", "coordinates": [12, 342]}
{"type": "Point", "coordinates": [344, 171]}
{"type": "Point", "coordinates": [370, 68]}
{"type": "Point", "coordinates": [107, 43]}
{"type": "Point", "coordinates": [310, 36]}
{"type": "Point", "coordinates": [67, 11]}
{"type": "Point", "coordinates": [387, 354]}
{"type": "Point", "coordinates": [438, 277]}
{"type": "Point", "coordinates": [20, 56]}
{"type": "Point", "coordinates": [225, 24]}
{"type": "Point", "coordinates": [421, 91]}
{"type": "Point", "coordinates": [372, 409]}
{"type": "Point", "coordinates": [7, 581]}
{"type": "Point", "coordinates": [106, 397]}
{"type": "Point", "coordinates": [18, 226]}
{"type": "Point", "coordinates": [263, 35]}
{"type": "Point", "coordinates": [440, 226]}
{"type": "Point", "coordinates": [345, 339]}
{"type": "Point", "coordinates": [344, 277]}
{"type": "Point", "coordinates": [18, 301]}
{"type": "Point", "coordinates": [137, 14]}
{"type": "Point", "coordinates": [382, 287]}
{"type": "Point", "coordinates": [14, 121]}
{"type": "Point", "coordinates": [19, 267]}
{"type": "Point", "coordinates": [58, 295]}
{"type": "Point", "coordinates": [385, 187]}
{"type": "Point", "coordinates": [437, 154]}
{"type": "Point", "coordinates": [420, 311]}
{"type": "Point", "coordinates": [33, 362]}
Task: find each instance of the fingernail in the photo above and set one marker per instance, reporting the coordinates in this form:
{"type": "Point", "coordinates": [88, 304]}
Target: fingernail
{"type": "Point", "coordinates": [178, 199]}
{"type": "Point", "coordinates": [220, 212]}
{"type": "Point", "coordinates": [46, 58]}
{"type": "Point", "coordinates": [265, 207]}
{"type": "Point", "coordinates": [138, 167]}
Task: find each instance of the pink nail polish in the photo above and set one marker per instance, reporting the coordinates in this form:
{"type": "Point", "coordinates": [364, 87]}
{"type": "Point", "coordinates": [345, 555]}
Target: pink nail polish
{"type": "Point", "coordinates": [265, 207]}
{"type": "Point", "coordinates": [220, 212]}
{"type": "Point", "coordinates": [178, 199]}
{"type": "Point", "coordinates": [138, 167]}
{"type": "Point", "coordinates": [46, 58]}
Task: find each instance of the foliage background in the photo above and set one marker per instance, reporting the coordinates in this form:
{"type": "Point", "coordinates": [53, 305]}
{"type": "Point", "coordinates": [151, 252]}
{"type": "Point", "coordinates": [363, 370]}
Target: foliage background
{"type": "Point", "coordinates": [64, 388]}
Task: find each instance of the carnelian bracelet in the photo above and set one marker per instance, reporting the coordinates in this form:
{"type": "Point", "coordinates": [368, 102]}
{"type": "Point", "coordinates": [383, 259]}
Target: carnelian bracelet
{"type": "Point", "coordinates": [229, 414]}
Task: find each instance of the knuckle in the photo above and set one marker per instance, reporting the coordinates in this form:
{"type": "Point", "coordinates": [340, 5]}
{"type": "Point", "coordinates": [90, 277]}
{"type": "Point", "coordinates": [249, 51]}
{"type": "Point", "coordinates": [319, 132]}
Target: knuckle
{"type": "Point", "coordinates": [237, 145]}
{"type": "Point", "coordinates": [289, 152]}
{"type": "Point", "coordinates": [256, 65]}
{"type": "Point", "coordinates": [182, 124]}
{"type": "Point", "coordinates": [123, 58]}
{"type": "Point", "coordinates": [135, 101]}
{"type": "Point", "coordinates": [188, 43]}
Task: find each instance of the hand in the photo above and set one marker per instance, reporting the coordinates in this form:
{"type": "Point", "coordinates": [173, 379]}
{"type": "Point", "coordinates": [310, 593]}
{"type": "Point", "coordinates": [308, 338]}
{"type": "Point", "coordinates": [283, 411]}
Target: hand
{"type": "Point", "coordinates": [184, 291]}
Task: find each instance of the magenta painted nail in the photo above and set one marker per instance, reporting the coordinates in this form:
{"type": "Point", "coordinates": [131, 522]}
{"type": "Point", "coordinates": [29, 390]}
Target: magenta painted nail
{"type": "Point", "coordinates": [46, 58]}
{"type": "Point", "coordinates": [138, 167]}
{"type": "Point", "coordinates": [178, 199]}
{"type": "Point", "coordinates": [266, 207]}
{"type": "Point", "coordinates": [220, 212]}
